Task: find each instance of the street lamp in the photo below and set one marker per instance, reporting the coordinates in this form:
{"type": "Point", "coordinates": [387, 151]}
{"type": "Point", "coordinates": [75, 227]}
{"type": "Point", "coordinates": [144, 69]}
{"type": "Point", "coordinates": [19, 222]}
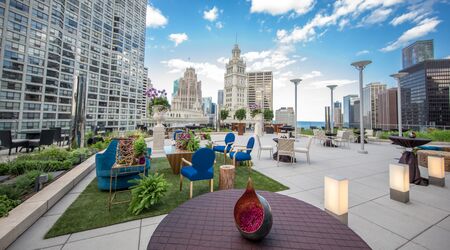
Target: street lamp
{"type": "Point", "coordinates": [360, 65]}
{"type": "Point", "coordinates": [397, 77]}
{"type": "Point", "coordinates": [332, 87]}
{"type": "Point", "coordinates": [296, 82]}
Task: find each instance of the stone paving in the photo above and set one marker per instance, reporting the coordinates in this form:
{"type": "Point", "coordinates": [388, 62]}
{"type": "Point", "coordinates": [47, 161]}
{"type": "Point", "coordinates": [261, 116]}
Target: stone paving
{"type": "Point", "coordinates": [423, 223]}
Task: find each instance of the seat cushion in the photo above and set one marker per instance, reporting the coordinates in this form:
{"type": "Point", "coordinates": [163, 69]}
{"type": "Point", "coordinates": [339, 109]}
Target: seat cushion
{"type": "Point", "coordinates": [192, 174]}
{"type": "Point", "coordinates": [302, 150]}
{"type": "Point", "coordinates": [240, 156]}
{"type": "Point", "coordinates": [266, 147]}
{"type": "Point", "coordinates": [34, 142]}
{"type": "Point", "coordinates": [436, 148]}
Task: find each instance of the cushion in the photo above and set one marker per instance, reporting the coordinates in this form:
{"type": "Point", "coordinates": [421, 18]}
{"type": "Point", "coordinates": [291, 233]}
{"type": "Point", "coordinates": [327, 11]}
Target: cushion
{"type": "Point", "coordinates": [436, 148]}
{"type": "Point", "coordinates": [240, 156]}
{"type": "Point", "coordinates": [192, 174]}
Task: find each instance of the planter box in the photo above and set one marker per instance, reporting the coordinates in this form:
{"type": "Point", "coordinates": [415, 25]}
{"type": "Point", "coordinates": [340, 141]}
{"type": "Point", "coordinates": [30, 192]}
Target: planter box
{"type": "Point", "coordinates": [28, 212]}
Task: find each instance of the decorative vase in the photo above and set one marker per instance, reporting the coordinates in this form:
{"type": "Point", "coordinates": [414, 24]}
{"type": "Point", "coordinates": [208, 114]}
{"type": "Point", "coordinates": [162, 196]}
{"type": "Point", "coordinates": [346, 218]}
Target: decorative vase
{"type": "Point", "coordinates": [252, 214]}
{"type": "Point", "coordinates": [159, 115]}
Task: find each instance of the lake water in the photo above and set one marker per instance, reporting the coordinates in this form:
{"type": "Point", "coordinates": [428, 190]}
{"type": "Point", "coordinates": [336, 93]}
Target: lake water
{"type": "Point", "coordinates": [308, 124]}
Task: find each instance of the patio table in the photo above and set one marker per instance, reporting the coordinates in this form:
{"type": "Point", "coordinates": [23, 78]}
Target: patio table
{"type": "Point", "coordinates": [207, 222]}
{"type": "Point", "coordinates": [283, 158]}
{"type": "Point", "coordinates": [329, 141]}
{"type": "Point", "coordinates": [358, 136]}
{"type": "Point", "coordinates": [174, 156]}
{"type": "Point", "coordinates": [409, 157]}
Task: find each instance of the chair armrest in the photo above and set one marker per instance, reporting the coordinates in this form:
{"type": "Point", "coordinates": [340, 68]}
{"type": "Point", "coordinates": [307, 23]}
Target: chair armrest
{"type": "Point", "coordinates": [215, 142]}
{"type": "Point", "coordinates": [185, 161]}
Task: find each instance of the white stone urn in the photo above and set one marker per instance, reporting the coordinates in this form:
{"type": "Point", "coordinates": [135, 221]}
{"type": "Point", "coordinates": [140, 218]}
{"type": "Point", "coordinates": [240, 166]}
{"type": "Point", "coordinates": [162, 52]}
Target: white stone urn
{"type": "Point", "coordinates": [259, 124]}
{"type": "Point", "coordinates": [159, 115]}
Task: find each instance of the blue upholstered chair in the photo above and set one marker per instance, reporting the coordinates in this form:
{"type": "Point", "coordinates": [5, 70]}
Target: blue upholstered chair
{"type": "Point", "coordinates": [201, 168]}
{"type": "Point", "coordinates": [104, 162]}
{"type": "Point", "coordinates": [224, 149]}
{"type": "Point", "coordinates": [242, 153]}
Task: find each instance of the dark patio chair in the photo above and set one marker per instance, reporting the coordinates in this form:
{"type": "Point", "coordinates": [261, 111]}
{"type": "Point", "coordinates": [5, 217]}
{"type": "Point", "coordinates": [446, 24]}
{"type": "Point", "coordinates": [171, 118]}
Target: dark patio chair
{"type": "Point", "coordinates": [9, 143]}
{"type": "Point", "coordinates": [45, 139]}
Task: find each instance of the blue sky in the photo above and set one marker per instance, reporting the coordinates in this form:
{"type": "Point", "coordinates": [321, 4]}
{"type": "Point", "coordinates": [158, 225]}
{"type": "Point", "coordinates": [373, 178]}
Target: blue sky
{"type": "Point", "coordinates": [313, 40]}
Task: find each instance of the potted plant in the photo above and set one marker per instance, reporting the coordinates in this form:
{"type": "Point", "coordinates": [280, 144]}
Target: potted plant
{"type": "Point", "coordinates": [147, 191]}
{"type": "Point", "coordinates": [140, 149]}
{"type": "Point", "coordinates": [158, 104]}
{"type": "Point", "coordinates": [240, 114]}
{"type": "Point", "coordinates": [188, 141]}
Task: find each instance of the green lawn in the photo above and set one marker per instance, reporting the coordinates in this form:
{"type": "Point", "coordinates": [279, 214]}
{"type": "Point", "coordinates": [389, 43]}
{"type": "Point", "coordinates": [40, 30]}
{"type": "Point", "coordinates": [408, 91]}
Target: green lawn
{"type": "Point", "coordinates": [90, 209]}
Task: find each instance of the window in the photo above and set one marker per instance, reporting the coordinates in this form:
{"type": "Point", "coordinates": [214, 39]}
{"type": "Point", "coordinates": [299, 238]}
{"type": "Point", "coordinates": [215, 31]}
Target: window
{"type": "Point", "coordinates": [12, 75]}
{"type": "Point", "coordinates": [6, 95]}
{"type": "Point", "coordinates": [14, 56]}
{"type": "Point", "coordinates": [18, 5]}
{"type": "Point", "coordinates": [12, 65]}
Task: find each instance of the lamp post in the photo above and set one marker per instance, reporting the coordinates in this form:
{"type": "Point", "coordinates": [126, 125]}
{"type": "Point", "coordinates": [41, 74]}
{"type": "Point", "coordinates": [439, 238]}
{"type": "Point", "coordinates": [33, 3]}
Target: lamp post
{"type": "Point", "coordinates": [296, 82]}
{"type": "Point", "coordinates": [360, 65]}
{"type": "Point", "coordinates": [397, 77]}
{"type": "Point", "coordinates": [332, 87]}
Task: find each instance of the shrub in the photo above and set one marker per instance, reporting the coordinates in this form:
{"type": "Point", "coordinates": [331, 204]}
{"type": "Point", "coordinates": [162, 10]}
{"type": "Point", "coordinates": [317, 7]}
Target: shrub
{"type": "Point", "coordinates": [147, 192]}
{"type": "Point", "coordinates": [78, 155]}
{"type": "Point", "coordinates": [6, 205]}
{"type": "Point", "coordinates": [240, 114]}
{"type": "Point", "coordinates": [100, 145]}
{"type": "Point", "coordinates": [4, 168]}
{"type": "Point", "coordinates": [140, 147]}
{"type": "Point", "coordinates": [20, 167]}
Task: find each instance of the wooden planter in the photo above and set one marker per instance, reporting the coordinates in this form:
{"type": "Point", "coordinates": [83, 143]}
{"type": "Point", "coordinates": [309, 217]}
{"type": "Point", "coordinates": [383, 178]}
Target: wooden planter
{"type": "Point", "coordinates": [241, 128]}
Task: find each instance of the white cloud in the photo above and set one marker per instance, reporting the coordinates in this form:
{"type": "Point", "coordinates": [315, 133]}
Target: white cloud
{"type": "Point", "coordinates": [219, 25]}
{"type": "Point", "coordinates": [274, 59]}
{"type": "Point", "coordinates": [448, 57]}
{"type": "Point", "coordinates": [377, 16]}
{"type": "Point", "coordinates": [205, 69]}
{"type": "Point", "coordinates": [422, 29]}
{"type": "Point", "coordinates": [311, 75]}
{"type": "Point", "coordinates": [404, 18]}
{"type": "Point", "coordinates": [222, 60]}
{"type": "Point", "coordinates": [178, 38]}
{"type": "Point", "coordinates": [155, 18]}
{"type": "Point", "coordinates": [362, 52]}
{"type": "Point", "coordinates": [211, 15]}
{"type": "Point", "coordinates": [208, 27]}
{"type": "Point", "coordinates": [324, 83]}
{"type": "Point", "coordinates": [281, 7]}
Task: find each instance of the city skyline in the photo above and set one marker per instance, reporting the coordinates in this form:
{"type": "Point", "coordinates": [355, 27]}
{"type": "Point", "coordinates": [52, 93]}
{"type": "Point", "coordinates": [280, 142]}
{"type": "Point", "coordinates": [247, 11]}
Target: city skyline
{"type": "Point", "coordinates": [307, 39]}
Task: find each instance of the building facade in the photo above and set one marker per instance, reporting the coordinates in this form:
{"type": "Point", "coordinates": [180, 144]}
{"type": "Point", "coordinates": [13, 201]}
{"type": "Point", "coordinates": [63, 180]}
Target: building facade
{"type": "Point", "coordinates": [220, 97]}
{"type": "Point", "coordinates": [425, 94]}
{"type": "Point", "coordinates": [260, 87]}
{"type": "Point", "coordinates": [176, 85]}
{"type": "Point", "coordinates": [146, 84]}
{"type": "Point", "coordinates": [338, 114]}
{"type": "Point", "coordinates": [235, 88]}
{"type": "Point", "coordinates": [349, 119]}
{"type": "Point", "coordinates": [417, 52]}
{"type": "Point", "coordinates": [45, 46]}
{"type": "Point", "coordinates": [285, 115]}
{"type": "Point", "coordinates": [370, 93]}
{"type": "Point", "coordinates": [387, 109]}
{"type": "Point", "coordinates": [186, 107]}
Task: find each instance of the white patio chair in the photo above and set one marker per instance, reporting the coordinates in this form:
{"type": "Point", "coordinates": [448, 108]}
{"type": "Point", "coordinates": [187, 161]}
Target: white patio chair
{"type": "Point", "coordinates": [285, 147]}
{"type": "Point", "coordinates": [321, 137]}
{"type": "Point", "coordinates": [342, 138]}
{"type": "Point", "coordinates": [305, 150]}
{"type": "Point", "coordinates": [263, 147]}
{"type": "Point", "coordinates": [374, 138]}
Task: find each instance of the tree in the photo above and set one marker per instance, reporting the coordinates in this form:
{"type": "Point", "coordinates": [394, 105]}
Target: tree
{"type": "Point", "coordinates": [268, 115]}
{"type": "Point", "coordinates": [224, 113]}
{"type": "Point", "coordinates": [240, 114]}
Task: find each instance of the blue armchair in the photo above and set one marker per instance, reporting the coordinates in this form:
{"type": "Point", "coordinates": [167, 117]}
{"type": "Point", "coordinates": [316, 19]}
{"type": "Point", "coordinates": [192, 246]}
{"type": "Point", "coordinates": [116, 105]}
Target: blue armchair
{"type": "Point", "coordinates": [224, 149]}
{"type": "Point", "coordinates": [201, 168]}
{"type": "Point", "coordinates": [104, 162]}
{"type": "Point", "coordinates": [242, 153]}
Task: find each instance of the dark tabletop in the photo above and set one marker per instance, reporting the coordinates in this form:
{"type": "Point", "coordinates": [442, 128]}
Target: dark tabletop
{"type": "Point", "coordinates": [330, 134]}
{"type": "Point", "coordinates": [408, 142]}
{"type": "Point", "coordinates": [207, 222]}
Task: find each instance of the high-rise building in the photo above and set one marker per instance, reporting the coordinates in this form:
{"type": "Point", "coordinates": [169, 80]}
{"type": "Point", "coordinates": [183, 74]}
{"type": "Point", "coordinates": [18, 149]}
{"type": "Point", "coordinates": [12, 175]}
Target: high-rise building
{"type": "Point", "coordinates": [417, 52]}
{"type": "Point", "coordinates": [176, 85]}
{"type": "Point", "coordinates": [47, 45]}
{"type": "Point", "coordinates": [356, 105]}
{"type": "Point", "coordinates": [285, 116]}
{"type": "Point", "coordinates": [425, 94]}
{"type": "Point", "coordinates": [146, 84]}
{"type": "Point", "coordinates": [338, 114]}
{"type": "Point", "coordinates": [207, 105]}
{"type": "Point", "coordinates": [387, 109]}
{"type": "Point", "coordinates": [235, 88]}
{"type": "Point", "coordinates": [259, 88]}
{"type": "Point", "coordinates": [349, 111]}
{"type": "Point", "coordinates": [370, 93]}
{"type": "Point", "coordinates": [220, 97]}
{"type": "Point", "coordinates": [186, 105]}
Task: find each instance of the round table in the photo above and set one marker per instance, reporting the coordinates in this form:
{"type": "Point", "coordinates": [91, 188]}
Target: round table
{"type": "Point", "coordinates": [410, 158]}
{"type": "Point", "coordinates": [207, 222]}
{"type": "Point", "coordinates": [329, 141]}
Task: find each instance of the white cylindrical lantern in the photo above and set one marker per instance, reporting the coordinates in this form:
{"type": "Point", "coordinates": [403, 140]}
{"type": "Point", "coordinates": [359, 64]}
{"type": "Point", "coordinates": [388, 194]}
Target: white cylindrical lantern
{"type": "Point", "coordinates": [436, 170]}
{"type": "Point", "coordinates": [336, 197]}
{"type": "Point", "coordinates": [399, 182]}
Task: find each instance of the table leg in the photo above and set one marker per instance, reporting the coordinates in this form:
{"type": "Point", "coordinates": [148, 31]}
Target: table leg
{"type": "Point", "coordinates": [410, 158]}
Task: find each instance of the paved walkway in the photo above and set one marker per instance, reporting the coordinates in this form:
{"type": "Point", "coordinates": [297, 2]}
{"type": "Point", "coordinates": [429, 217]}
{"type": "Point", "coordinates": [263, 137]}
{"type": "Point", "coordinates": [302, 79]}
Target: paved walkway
{"type": "Point", "coordinates": [423, 223]}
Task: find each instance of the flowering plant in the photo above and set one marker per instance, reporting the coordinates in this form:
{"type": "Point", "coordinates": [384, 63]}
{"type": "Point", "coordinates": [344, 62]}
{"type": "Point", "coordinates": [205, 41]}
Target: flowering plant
{"type": "Point", "coordinates": [188, 141]}
{"type": "Point", "coordinates": [255, 109]}
{"type": "Point", "coordinates": [157, 98]}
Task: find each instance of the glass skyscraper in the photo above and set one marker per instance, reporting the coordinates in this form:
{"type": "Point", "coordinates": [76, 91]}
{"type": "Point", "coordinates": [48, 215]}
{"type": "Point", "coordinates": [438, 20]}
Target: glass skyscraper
{"type": "Point", "coordinates": [47, 44]}
{"type": "Point", "coordinates": [349, 111]}
{"type": "Point", "coordinates": [417, 52]}
{"type": "Point", "coordinates": [425, 94]}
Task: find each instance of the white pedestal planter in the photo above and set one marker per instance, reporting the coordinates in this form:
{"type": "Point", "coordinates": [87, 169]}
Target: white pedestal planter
{"type": "Point", "coordinates": [159, 131]}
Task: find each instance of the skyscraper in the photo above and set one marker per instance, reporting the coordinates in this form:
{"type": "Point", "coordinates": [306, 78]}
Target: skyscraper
{"type": "Point", "coordinates": [338, 114]}
{"type": "Point", "coordinates": [47, 45]}
{"type": "Point", "coordinates": [146, 84]}
{"type": "Point", "coordinates": [235, 89]}
{"type": "Point", "coordinates": [176, 85]}
{"type": "Point", "coordinates": [425, 94]}
{"type": "Point", "coordinates": [349, 111]}
{"type": "Point", "coordinates": [370, 93]}
{"type": "Point", "coordinates": [189, 94]}
{"type": "Point", "coordinates": [418, 52]}
{"type": "Point", "coordinates": [387, 109]}
{"type": "Point", "coordinates": [220, 97]}
{"type": "Point", "coordinates": [285, 116]}
{"type": "Point", "coordinates": [260, 84]}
